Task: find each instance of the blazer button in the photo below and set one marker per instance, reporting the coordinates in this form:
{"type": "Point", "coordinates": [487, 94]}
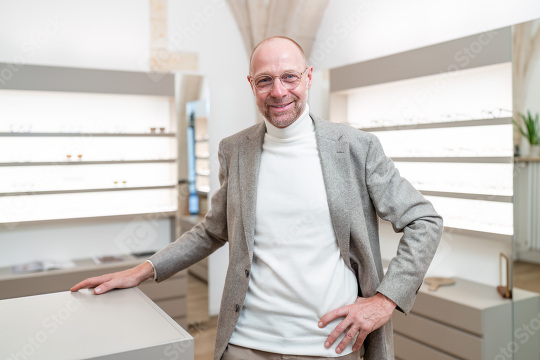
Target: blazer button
{"type": "Point", "coordinates": [237, 308]}
{"type": "Point", "coordinates": [247, 273]}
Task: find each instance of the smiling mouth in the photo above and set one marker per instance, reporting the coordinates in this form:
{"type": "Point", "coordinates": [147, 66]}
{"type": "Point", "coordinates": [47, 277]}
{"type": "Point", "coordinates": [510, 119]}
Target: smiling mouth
{"type": "Point", "coordinates": [280, 106]}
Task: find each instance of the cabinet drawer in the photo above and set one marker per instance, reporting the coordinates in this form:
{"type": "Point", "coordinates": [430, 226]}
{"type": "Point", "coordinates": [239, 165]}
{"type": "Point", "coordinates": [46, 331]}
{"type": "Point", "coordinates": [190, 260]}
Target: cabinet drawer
{"type": "Point", "coordinates": [452, 341]}
{"type": "Point", "coordinates": [175, 308]}
{"type": "Point", "coordinates": [449, 312]}
{"type": "Point", "coordinates": [408, 349]}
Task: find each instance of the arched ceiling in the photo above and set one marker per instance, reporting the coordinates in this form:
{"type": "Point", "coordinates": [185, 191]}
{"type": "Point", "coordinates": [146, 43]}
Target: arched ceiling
{"type": "Point", "coordinates": [259, 19]}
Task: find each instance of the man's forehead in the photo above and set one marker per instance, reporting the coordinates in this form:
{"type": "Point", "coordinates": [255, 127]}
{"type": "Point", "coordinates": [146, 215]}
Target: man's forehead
{"type": "Point", "coordinates": [276, 53]}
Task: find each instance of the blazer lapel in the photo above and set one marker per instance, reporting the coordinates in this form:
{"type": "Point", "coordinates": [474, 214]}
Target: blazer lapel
{"type": "Point", "coordinates": [248, 166]}
{"type": "Point", "coordinates": [335, 163]}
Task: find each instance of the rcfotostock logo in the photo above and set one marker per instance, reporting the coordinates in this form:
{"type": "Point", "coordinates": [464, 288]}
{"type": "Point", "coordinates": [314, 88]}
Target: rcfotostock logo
{"type": "Point", "coordinates": [138, 236]}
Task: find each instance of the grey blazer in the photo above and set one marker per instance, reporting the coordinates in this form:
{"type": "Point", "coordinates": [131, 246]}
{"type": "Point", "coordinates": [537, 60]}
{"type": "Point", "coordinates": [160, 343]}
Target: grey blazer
{"type": "Point", "coordinates": [361, 184]}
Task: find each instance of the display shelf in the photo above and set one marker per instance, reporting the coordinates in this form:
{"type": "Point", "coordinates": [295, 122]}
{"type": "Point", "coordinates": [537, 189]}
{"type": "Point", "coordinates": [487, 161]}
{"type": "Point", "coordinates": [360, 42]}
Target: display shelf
{"type": "Point", "coordinates": [457, 159]}
{"type": "Point", "coordinates": [467, 232]}
{"type": "Point", "coordinates": [65, 134]}
{"type": "Point", "coordinates": [77, 162]}
{"type": "Point", "coordinates": [470, 196]}
{"type": "Point", "coordinates": [158, 213]}
{"type": "Point", "coordinates": [69, 191]}
{"type": "Point", "coordinates": [448, 131]}
{"type": "Point", "coordinates": [65, 144]}
{"type": "Point", "coordinates": [441, 125]}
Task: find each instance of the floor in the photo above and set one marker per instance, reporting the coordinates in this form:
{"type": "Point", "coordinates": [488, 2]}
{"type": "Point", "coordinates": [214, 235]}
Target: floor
{"type": "Point", "coordinates": [201, 326]}
{"type": "Point", "coordinates": [527, 276]}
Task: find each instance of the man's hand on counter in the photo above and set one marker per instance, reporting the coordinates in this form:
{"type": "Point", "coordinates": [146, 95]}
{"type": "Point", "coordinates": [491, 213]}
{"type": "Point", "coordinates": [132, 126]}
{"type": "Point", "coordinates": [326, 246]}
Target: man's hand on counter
{"type": "Point", "coordinates": [118, 280]}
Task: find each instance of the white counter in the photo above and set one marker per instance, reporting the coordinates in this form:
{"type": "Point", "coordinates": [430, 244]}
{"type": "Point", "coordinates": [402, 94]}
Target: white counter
{"type": "Point", "coordinates": [122, 324]}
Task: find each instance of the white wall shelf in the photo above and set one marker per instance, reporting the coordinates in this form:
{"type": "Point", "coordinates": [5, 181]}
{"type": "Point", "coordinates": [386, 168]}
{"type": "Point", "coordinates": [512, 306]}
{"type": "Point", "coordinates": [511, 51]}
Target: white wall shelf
{"type": "Point", "coordinates": [460, 195]}
{"type": "Point", "coordinates": [59, 134]}
{"type": "Point", "coordinates": [491, 236]}
{"type": "Point", "coordinates": [76, 162]}
{"type": "Point", "coordinates": [156, 213]}
{"type": "Point", "coordinates": [442, 125]}
{"type": "Point", "coordinates": [457, 159]}
{"type": "Point", "coordinates": [70, 191]}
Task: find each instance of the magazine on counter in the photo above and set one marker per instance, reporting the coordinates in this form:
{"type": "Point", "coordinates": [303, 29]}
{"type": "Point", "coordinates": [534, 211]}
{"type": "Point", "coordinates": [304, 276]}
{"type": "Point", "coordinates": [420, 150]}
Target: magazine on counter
{"type": "Point", "coordinates": [106, 259]}
{"type": "Point", "coordinates": [41, 265]}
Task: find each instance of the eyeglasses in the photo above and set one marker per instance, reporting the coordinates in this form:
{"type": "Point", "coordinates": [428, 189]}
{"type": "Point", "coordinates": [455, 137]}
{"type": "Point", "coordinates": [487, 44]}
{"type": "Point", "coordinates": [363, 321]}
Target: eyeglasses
{"type": "Point", "coordinates": [289, 79]}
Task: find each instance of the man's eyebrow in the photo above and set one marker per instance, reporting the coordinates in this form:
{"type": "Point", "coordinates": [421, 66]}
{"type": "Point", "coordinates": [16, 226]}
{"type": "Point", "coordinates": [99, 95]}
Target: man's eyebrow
{"type": "Point", "coordinates": [284, 71]}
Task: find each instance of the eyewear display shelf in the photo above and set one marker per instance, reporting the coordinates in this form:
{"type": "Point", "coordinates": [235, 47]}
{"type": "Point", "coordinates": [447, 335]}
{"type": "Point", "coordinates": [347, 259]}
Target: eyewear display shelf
{"type": "Point", "coordinates": [90, 137]}
{"type": "Point", "coordinates": [82, 149]}
{"type": "Point", "coordinates": [447, 126]}
{"type": "Point", "coordinates": [119, 325]}
{"type": "Point", "coordinates": [170, 296]}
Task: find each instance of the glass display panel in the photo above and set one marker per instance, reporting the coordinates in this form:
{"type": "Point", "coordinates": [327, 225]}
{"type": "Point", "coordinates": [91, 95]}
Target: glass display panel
{"type": "Point", "coordinates": [90, 148]}
{"type": "Point", "coordinates": [493, 179]}
{"type": "Point", "coordinates": [65, 206]}
{"type": "Point", "coordinates": [475, 141]}
{"type": "Point", "coordinates": [480, 93]}
{"type": "Point", "coordinates": [41, 111]}
{"type": "Point", "coordinates": [478, 215]}
{"type": "Point", "coordinates": [58, 177]}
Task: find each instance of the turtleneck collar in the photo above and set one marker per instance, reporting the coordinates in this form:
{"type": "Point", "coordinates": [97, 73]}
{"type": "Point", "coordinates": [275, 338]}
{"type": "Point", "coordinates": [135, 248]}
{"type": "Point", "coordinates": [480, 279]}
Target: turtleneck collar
{"type": "Point", "coordinates": [302, 126]}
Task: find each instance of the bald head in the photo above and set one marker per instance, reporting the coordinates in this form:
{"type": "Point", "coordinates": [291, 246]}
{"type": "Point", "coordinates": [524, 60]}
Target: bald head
{"type": "Point", "coordinates": [277, 43]}
{"type": "Point", "coordinates": [281, 103]}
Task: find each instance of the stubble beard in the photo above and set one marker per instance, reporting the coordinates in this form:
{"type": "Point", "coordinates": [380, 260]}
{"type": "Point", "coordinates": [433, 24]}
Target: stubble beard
{"type": "Point", "coordinates": [286, 119]}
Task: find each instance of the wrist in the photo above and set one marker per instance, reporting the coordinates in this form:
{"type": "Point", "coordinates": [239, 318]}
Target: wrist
{"type": "Point", "coordinates": [387, 303]}
{"type": "Point", "coordinates": [146, 271]}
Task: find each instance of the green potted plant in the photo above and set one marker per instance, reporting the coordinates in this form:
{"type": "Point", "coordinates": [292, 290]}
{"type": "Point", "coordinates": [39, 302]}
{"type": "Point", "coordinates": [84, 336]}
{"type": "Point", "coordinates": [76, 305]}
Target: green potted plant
{"type": "Point", "coordinates": [531, 131]}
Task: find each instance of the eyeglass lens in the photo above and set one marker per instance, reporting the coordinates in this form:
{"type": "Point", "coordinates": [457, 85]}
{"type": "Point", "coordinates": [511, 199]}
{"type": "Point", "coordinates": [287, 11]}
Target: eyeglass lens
{"type": "Point", "coordinates": [289, 80]}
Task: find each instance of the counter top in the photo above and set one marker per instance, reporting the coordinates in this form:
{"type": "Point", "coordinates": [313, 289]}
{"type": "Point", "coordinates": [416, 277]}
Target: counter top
{"type": "Point", "coordinates": [121, 324]}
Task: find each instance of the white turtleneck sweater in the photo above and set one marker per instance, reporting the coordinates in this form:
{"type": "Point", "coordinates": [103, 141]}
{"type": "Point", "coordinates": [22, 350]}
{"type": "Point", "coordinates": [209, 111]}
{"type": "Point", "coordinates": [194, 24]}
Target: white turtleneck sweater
{"type": "Point", "coordinates": [297, 274]}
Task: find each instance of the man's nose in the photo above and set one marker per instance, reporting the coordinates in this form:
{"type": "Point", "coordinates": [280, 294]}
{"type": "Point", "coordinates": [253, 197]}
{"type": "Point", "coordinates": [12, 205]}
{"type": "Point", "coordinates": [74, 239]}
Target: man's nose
{"type": "Point", "coordinates": [278, 90]}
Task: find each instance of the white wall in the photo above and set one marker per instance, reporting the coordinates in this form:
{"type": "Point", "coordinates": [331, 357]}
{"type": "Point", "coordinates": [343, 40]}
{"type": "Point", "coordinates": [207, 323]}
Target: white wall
{"type": "Point", "coordinates": [352, 31]}
{"type": "Point", "coordinates": [115, 35]}
{"type": "Point", "coordinates": [88, 34]}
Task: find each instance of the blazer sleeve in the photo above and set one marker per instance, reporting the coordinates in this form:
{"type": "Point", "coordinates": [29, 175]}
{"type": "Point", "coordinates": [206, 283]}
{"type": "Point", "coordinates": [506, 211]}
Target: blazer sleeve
{"type": "Point", "coordinates": [203, 239]}
{"type": "Point", "coordinates": [398, 202]}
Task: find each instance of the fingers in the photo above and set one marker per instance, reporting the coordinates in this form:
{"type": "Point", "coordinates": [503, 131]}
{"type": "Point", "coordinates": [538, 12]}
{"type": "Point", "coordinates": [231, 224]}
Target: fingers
{"type": "Point", "coordinates": [119, 280]}
{"type": "Point", "coordinates": [331, 316]}
{"type": "Point", "coordinates": [360, 339]}
{"type": "Point", "coordinates": [348, 338]}
{"type": "Point", "coordinates": [91, 283]}
{"type": "Point", "coordinates": [342, 326]}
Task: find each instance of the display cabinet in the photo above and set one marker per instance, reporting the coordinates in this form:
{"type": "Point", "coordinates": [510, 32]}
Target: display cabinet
{"type": "Point", "coordinates": [446, 123]}
{"type": "Point", "coordinates": [72, 155]}
{"type": "Point", "coordinates": [445, 119]}
{"type": "Point", "coordinates": [89, 168]}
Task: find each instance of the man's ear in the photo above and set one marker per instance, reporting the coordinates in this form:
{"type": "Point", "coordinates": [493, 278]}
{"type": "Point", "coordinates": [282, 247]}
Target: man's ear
{"type": "Point", "coordinates": [250, 83]}
{"type": "Point", "coordinates": [309, 76]}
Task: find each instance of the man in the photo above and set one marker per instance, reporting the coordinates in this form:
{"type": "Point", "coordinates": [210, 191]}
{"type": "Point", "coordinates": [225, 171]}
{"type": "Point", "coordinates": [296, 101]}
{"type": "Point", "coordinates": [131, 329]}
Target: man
{"type": "Point", "coordinates": [298, 204]}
